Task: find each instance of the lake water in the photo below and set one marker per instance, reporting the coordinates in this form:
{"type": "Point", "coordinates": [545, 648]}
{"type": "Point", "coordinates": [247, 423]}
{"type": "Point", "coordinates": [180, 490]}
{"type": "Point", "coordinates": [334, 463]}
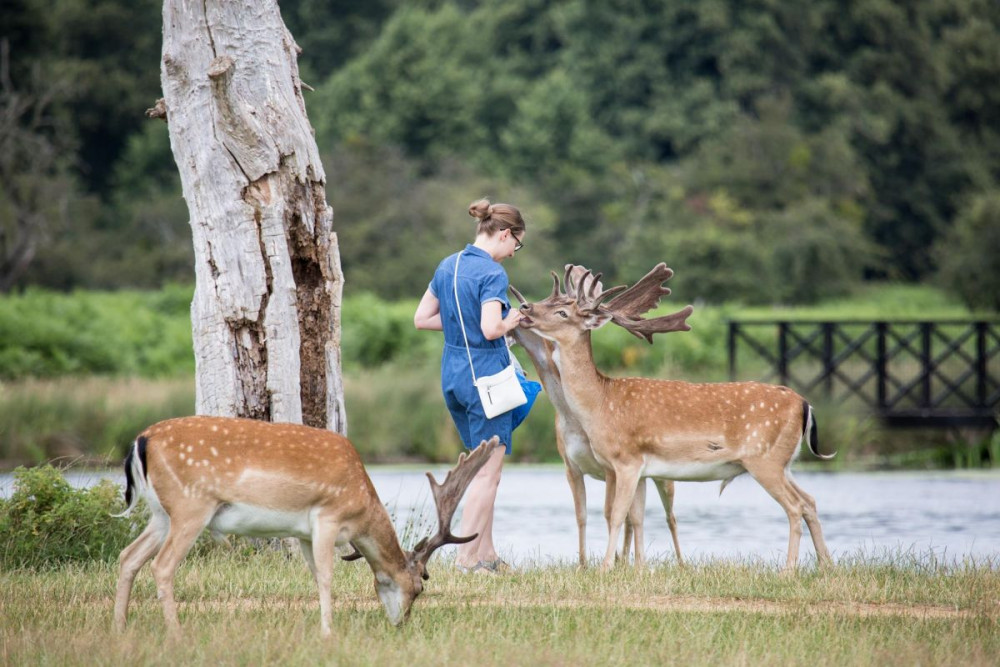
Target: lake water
{"type": "Point", "coordinates": [943, 516]}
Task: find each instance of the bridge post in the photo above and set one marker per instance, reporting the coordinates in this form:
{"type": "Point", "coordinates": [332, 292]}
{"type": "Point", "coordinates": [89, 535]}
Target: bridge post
{"type": "Point", "coordinates": [828, 367]}
{"type": "Point", "coordinates": [926, 364]}
{"type": "Point", "coordinates": [880, 365]}
{"type": "Point", "coordinates": [981, 328]}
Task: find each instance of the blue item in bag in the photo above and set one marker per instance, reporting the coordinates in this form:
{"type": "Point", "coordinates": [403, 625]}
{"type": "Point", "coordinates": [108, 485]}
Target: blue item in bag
{"type": "Point", "coordinates": [531, 391]}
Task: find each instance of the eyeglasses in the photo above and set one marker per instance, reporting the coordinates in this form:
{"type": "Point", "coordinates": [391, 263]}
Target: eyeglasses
{"type": "Point", "coordinates": [517, 242]}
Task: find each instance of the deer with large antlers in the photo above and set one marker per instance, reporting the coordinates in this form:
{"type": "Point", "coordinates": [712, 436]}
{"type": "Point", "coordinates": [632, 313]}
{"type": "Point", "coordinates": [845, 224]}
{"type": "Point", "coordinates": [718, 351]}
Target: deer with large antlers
{"type": "Point", "coordinates": [674, 430]}
{"type": "Point", "coordinates": [246, 477]}
{"type": "Point", "coordinates": [572, 440]}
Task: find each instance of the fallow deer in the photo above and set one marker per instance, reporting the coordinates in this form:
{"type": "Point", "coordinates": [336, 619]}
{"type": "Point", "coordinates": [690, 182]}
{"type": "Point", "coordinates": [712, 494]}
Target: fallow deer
{"type": "Point", "coordinates": [246, 477]}
{"type": "Point", "coordinates": [675, 430]}
{"type": "Point", "coordinates": [572, 441]}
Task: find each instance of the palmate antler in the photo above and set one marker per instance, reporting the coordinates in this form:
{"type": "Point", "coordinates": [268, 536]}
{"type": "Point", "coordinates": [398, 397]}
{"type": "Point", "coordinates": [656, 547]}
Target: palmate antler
{"type": "Point", "coordinates": [628, 304]}
{"type": "Point", "coordinates": [447, 496]}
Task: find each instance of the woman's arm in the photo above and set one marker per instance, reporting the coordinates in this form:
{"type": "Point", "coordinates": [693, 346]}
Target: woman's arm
{"type": "Point", "coordinates": [493, 325]}
{"type": "Point", "coordinates": [428, 315]}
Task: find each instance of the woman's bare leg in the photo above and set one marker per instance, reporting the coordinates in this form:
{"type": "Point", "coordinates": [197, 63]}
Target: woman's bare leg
{"type": "Point", "coordinates": [477, 516]}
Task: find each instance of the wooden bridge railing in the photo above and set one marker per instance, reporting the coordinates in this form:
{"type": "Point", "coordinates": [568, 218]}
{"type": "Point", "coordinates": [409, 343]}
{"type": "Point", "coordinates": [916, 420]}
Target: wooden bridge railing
{"type": "Point", "coordinates": [924, 373]}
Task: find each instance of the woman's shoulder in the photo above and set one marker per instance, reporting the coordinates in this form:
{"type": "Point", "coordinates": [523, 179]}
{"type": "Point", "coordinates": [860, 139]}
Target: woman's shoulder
{"type": "Point", "coordinates": [447, 264]}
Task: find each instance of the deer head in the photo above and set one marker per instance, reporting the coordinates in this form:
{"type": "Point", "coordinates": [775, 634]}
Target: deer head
{"type": "Point", "coordinates": [397, 597]}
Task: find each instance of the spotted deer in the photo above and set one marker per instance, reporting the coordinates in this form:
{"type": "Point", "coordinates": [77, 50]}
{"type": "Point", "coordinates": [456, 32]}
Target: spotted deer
{"type": "Point", "coordinates": [247, 477]}
{"type": "Point", "coordinates": [572, 441]}
{"type": "Point", "coordinates": [667, 429]}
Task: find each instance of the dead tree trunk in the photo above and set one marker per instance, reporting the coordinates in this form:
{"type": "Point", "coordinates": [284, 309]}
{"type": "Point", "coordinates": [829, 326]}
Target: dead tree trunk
{"type": "Point", "coordinates": [266, 310]}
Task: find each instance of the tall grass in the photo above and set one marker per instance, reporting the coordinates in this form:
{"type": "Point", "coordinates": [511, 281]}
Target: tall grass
{"type": "Point", "coordinates": [93, 418]}
{"type": "Point", "coordinates": [240, 608]}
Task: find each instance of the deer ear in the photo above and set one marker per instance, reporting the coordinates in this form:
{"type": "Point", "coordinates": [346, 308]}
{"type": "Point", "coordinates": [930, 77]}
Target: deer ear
{"type": "Point", "coordinates": [596, 319]}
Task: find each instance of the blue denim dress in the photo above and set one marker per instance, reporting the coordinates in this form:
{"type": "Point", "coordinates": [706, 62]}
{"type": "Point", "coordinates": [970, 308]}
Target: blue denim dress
{"type": "Point", "coordinates": [480, 280]}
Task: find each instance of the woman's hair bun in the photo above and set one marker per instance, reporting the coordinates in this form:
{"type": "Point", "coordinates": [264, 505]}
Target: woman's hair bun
{"type": "Point", "coordinates": [481, 209]}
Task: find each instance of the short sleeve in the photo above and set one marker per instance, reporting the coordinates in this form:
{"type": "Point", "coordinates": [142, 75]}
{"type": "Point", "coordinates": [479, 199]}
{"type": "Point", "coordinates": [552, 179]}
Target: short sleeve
{"type": "Point", "coordinates": [437, 282]}
{"type": "Point", "coordinates": [494, 288]}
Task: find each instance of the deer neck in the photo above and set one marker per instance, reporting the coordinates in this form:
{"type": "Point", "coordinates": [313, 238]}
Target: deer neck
{"type": "Point", "coordinates": [380, 547]}
{"type": "Point", "coordinates": [541, 351]}
{"type": "Point", "coordinates": [583, 385]}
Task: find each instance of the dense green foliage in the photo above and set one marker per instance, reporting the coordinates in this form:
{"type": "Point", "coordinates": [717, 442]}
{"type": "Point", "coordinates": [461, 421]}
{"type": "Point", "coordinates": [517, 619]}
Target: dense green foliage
{"type": "Point", "coordinates": [46, 522]}
{"type": "Point", "coordinates": [148, 333]}
{"type": "Point", "coordinates": [133, 351]}
{"type": "Point", "coordinates": [44, 334]}
{"type": "Point", "coordinates": [770, 152]}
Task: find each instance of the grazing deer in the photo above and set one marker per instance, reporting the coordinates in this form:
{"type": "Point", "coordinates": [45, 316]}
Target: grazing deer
{"type": "Point", "coordinates": [674, 430]}
{"type": "Point", "coordinates": [571, 437]}
{"type": "Point", "coordinates": [247, 477]}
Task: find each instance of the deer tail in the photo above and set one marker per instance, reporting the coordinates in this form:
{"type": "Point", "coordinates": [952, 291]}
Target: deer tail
{"type": "Point", "coordinates": [810, 432]}
{"type": "Point", "coordinates": [135, 474]}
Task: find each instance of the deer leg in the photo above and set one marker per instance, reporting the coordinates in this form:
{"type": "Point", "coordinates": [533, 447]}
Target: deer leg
{"type": "Point", "coordinates": [636, 517]}
{"type": "Point", "coordinates": [609, 496]}
{"type": "Point", "coordinates": [781, 489]}
{"type": "Point", "coordinates": [323, 549]}
{"type": "Point", "coordinates": [626, 480]}
{"type": "Point", "coordinates": [184, 530]}
{"type": "Point", "coordinates": [131, 560]}
{"type": "Point", "coordinates": [579, 489]}
{"type": "Point", "coordinates": [306, 547]}
{"type": "Point", "coordinates": [665, 488]}
{"type": "Point", "coordinates": [812, 521]}
{"type": "Point", "coordinates": [627, 532]}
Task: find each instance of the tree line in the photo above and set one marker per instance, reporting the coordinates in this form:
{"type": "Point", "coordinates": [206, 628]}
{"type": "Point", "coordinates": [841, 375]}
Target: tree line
{"type": "Point", "coordinates": [769, 151]}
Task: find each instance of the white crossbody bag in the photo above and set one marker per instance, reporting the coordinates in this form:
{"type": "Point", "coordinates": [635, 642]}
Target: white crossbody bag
{"type": "Point", "coordinates": [501, 392]}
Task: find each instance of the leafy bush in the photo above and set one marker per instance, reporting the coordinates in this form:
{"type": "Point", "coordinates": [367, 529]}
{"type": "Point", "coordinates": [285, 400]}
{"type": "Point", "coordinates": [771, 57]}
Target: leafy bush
{"type": "Point", "coordinates": [46, 522]}
{"type": "Point", "coordinates": [969, 254]}
{"type": "Point", "coordinates": [47, 334]}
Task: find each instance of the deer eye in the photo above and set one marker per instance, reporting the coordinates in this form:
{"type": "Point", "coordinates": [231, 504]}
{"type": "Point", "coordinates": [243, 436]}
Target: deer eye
{"type": "Point", "coordinates": [562, 314]}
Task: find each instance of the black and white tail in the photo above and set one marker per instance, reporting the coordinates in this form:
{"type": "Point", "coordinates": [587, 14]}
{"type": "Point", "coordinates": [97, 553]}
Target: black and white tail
{"type": "Point", "coordinates": [810, 433]}
{"type": "Point", "coordinates": [135, 474]}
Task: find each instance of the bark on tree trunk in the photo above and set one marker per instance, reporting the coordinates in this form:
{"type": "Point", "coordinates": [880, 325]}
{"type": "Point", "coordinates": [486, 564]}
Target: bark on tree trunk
{"type": "Point", "coordinates": [266, 310]}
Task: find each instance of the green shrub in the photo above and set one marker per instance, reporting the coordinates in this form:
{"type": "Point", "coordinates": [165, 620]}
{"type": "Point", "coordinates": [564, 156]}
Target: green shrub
{"type": "Point", "coordinates": [46, 522]}
{"type": "Point", "coordinates": [48, 334]}
{"type": "Point", "coordinates": [969, 253]}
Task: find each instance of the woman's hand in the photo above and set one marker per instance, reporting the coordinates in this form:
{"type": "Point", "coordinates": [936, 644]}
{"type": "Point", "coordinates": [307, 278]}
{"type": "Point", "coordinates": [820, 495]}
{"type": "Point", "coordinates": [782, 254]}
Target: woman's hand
{"type": "Point", "coordinates": [512, 320]}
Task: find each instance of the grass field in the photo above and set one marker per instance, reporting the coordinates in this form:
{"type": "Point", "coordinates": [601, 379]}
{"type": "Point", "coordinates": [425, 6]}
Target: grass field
{"type": "Point", "coordinates": [261, 608]}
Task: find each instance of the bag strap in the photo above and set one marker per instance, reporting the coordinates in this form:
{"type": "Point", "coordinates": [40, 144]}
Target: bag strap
{"type": "Point", "coordinates": [461, 322]}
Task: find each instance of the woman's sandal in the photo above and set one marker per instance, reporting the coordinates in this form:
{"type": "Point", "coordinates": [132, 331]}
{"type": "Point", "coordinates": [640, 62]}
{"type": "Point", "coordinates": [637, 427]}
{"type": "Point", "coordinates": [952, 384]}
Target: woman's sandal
{"type": "Point", "coordinates": [486, 567]}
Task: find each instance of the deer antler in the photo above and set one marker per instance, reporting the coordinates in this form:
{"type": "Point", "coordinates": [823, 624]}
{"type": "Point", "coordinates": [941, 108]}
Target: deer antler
{"type": "Point", "coordinates": [629, 306]}
{"type": "Point", "coordinates": [644, 295]}
{"type": "Point", "coordinates": [641, 328]}
{"type": "Point", "coordinates": [448, 494]}
{"type": "Point", "coordinates": [588, 291]}
{"type": "Point", "coordinates": [629, 303]}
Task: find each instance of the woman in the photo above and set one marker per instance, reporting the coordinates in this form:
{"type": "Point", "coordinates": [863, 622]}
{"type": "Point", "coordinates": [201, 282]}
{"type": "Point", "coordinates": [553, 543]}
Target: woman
{"type": "Point", "coordinates": [486, 312]}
